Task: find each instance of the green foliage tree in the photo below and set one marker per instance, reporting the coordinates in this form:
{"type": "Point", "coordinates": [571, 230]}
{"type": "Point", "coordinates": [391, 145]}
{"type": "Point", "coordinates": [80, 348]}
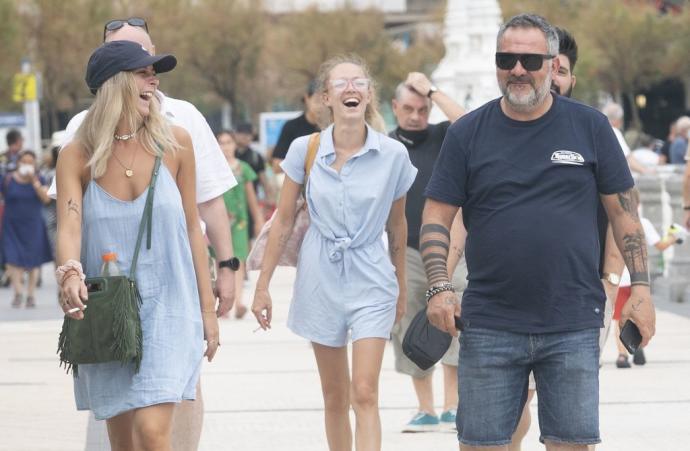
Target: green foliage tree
{"type": "Point", "coordinates": [11, 45]}
{"type": "Point", "coordinates": [59, 42]}
{"type": "Point", "coordinates": [224, 43]}
{"type": "Point", "coordinates": [624, 45]}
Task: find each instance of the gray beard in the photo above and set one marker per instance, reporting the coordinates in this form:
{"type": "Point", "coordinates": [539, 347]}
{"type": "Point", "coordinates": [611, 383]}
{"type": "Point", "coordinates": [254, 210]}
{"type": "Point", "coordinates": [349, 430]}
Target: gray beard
{"type": "Point", "coordinates": [532, 101]}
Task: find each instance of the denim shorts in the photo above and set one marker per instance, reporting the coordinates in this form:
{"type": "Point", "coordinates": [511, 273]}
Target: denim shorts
{"type": "Point", "coordinates": [493, 377]}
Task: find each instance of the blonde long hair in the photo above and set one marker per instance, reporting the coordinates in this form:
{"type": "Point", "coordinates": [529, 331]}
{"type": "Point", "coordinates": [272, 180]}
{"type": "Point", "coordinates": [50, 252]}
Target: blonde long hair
{"type": "Point", "coordinates": [371, 114]}
{"type": "Point", "coordinates": [115, 99]}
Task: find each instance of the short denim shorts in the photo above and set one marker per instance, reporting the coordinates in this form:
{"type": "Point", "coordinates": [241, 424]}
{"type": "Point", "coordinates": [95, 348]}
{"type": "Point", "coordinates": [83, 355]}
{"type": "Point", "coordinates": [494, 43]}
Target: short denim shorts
{"type": "Point", "coordinates": [493, 377]}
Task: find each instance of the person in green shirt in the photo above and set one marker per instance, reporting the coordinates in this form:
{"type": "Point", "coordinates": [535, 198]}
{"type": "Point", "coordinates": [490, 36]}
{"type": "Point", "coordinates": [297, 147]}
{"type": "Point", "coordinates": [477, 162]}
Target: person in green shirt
{"type": "Point", "coordinates": [240, 202]}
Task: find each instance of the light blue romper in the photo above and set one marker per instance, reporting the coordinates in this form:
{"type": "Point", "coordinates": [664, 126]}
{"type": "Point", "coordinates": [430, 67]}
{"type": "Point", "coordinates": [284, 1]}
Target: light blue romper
{"type": "Point", "coordinates": [345, 279]}
{"type": "Point", "coordinates": [170, 313]}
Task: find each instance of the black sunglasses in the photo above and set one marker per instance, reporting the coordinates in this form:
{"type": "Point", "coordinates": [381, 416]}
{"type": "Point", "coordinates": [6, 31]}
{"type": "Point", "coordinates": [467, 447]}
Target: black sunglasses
{"type": "Point", "coordinates": [116, 24]}
{"type": "Point", "coordinates": [529, 61]}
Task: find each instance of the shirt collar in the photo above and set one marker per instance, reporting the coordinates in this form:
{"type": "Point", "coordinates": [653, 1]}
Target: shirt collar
{"type": "Point", "coordinates": [164, 110]}
{"type": "Point", "coordinates": [372, 142]}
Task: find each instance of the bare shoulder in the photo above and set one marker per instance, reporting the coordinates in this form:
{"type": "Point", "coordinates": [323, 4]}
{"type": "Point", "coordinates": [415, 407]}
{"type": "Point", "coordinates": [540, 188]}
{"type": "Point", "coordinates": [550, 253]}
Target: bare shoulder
{"type": "Point", "coordinates": [73, 162]}
{"type": "Point", "coordinates": [73, 154]}
{"type": "Point", "coordinates": [182, 137]}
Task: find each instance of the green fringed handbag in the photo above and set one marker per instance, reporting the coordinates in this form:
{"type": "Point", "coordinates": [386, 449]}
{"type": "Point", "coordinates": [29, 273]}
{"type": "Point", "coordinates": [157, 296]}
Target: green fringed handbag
{"type": "Point", "coordinates": [111, 328]}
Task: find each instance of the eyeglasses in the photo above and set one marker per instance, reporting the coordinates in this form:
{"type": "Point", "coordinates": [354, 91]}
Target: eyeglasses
{"type": "Point", "coordinates": [529, 61]}
{"type": "Point", "coordinates": [359, 84]}
{"type": "Point", "coordinates": [116, 24]}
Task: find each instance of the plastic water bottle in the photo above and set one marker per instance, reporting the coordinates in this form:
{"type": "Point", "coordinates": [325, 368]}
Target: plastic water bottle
{"type": "Point", "coordinates": [109, 267]}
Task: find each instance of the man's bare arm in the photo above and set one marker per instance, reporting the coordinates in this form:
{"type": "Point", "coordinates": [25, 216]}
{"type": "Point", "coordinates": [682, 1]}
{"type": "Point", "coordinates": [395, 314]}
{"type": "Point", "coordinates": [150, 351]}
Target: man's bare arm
{"type": "Point", "coordinates": [214, 214]}
{"type": "Point", "coordinates": [434, 245]}
{"type": "Point", "coordinates": [458, 235]}
{"type": "Point", "coordinates": [629, 235]}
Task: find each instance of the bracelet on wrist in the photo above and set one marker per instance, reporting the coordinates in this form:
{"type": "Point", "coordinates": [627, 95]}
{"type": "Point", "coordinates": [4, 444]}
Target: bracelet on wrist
{"type": "Point", "coordinates": [208, 311]}
{"type": "Point", "coordinates": [436, 289]}
{"type": "Point", "coordinates": [686, 207]}
{"type": "Point", "coordinates": [69, 275]}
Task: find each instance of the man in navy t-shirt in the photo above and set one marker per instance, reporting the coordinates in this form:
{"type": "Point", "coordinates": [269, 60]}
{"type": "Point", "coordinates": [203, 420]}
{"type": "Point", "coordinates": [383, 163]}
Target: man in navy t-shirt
{"type": "Point", "coordinates": [528, 170]}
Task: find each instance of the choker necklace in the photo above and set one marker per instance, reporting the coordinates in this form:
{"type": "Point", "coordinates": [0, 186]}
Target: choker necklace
{"type": "Point", "coordinates": [128, 170]}
{"type": "Point", "coordinates": [124, 137]}
{"type": "Point", "coordinates": [127, 137]}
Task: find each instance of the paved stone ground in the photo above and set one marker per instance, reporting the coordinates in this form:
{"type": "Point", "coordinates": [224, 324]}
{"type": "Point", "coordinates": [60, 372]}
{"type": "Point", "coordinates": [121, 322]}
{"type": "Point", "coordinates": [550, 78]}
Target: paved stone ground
{"type": "Point", "coordinates": [262, 392]}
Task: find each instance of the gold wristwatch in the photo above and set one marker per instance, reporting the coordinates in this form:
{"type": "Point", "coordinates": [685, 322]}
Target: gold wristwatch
{"type": "Point", "coordinates": [613, 279]}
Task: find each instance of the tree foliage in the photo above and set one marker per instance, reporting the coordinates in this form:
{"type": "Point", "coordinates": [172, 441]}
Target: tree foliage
{"type": "Point", "coordinates": [624, 45]}
{"type": "Point", "coordinates": [234, 51]}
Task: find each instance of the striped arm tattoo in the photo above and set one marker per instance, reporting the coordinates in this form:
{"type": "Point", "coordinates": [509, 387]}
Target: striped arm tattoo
{"type": "Point", "coordinates": [434, 243]}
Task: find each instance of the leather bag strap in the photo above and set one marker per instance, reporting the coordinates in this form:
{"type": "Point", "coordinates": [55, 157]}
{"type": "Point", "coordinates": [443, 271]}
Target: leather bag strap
{"type": "Point", "coordinates": [146, 218]}
{"type": "Point", "coordinates": [312, 149]}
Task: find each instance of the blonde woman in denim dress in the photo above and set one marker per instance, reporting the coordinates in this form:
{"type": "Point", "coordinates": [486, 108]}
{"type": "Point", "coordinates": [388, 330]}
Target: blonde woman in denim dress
{"type": "Point", "coordinates": [349, 286]}
{"type": "Point", "coordinates": [102, 179]}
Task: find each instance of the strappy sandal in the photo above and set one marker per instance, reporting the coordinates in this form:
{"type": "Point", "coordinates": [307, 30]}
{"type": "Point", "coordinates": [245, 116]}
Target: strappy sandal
{"type": "Point", "coordinates": [17, 301]}
{"type": "Point", "coordinates": [30, 302]}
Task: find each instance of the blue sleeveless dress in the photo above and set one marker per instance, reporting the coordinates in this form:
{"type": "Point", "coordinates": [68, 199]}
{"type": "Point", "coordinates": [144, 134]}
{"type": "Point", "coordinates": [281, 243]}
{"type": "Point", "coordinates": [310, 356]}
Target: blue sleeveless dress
{"type": "Point", "coordinates": [170, 313]}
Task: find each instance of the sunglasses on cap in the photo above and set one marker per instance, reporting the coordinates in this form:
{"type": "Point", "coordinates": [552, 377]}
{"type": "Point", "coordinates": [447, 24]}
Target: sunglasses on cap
{"type": "Point", "coordinates": [116, 24]}
{"type": "Point", "coordinates": [529, 61]}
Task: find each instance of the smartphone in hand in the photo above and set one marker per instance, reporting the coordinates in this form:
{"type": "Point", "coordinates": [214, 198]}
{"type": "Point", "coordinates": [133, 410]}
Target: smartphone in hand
{"type": "Point", "coordinates": [630, 336]}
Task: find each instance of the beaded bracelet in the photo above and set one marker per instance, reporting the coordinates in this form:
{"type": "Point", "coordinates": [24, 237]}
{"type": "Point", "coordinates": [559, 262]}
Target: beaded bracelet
{"type": "Point", "coordinates": [69, 266]}
{"type": "Point", "coordinates": [433, 291]}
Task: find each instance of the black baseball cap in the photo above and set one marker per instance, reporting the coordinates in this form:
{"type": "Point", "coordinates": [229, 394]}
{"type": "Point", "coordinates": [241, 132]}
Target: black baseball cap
{"type": "Point", "coordinates": [118, 56]}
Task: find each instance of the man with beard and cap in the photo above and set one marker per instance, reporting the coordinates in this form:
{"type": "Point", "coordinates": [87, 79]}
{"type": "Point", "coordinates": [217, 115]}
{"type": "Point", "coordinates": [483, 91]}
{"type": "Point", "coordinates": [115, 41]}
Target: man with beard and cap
{"type": "Point", "coordinates": [214, 180]}
{"type": "Point", "coordinates": [528, 170]}
{"type": "Point", "coordinates": [411, 106]}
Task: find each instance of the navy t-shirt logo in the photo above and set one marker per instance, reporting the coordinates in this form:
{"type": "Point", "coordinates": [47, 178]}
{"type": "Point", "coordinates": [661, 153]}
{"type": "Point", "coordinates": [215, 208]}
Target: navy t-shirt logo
{"type": "Point", "coordinates": [567, 157]}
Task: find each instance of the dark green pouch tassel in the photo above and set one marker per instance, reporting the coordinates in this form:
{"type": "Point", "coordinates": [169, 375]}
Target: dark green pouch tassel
{"type": "Point", "coordinates": [111, 328]}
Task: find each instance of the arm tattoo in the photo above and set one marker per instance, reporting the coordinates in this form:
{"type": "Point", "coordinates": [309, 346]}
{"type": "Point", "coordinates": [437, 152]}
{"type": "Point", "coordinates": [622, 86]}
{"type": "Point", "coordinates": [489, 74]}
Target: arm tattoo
{"type": "Point", "coordinates": [635, 256]}
{"type": "Point", "coordinates": [283, 239]}
{"type": "Point", "coordinates": [73, 206]}
{"type": "Point", "coordinates": [393, 248]}
{"type": "Point", "coordinates": [636, 305]}
{"type": "Point", "coordinates": [434, 228]}
{"type": "Point", "coordinates": [629, 200]}
{"type": "Point", "coordinates": [432, 243]}
{"type": "Point", "coordinates": [434, 246]}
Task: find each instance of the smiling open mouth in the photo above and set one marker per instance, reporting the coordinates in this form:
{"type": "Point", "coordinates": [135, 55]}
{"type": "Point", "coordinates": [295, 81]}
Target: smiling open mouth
{"type": "Point", "coordinates": [146, 95]}
{"type": "Point", "coordinates": [351, 103]}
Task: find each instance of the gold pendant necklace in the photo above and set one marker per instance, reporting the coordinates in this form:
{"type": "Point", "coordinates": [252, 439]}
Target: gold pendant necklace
{"type": "Point", "coordinates": [128, 170]}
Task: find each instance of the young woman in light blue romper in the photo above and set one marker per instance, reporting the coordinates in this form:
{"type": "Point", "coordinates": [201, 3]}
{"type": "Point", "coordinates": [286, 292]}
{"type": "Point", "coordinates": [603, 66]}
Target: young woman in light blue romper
{"type": "Point", "coordinates": [348, 284]}
{"type": "Point", "coordinates": [100, 201]}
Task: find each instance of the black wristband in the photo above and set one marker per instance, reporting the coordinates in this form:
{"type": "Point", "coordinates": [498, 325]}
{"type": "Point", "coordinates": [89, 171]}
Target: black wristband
{"type": "Point", "coordinates": [686, 208]}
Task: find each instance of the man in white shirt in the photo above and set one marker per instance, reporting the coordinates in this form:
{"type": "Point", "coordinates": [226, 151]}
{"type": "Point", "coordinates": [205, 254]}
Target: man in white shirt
{"type": "Point", "coordinates": [614, 113]}
{"type": "Point", "coordinates": [214, 178]}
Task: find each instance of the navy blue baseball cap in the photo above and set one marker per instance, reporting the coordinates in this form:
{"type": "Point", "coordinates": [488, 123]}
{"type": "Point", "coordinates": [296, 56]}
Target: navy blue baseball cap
{"type": "Point", "coordinates": [118, 56]}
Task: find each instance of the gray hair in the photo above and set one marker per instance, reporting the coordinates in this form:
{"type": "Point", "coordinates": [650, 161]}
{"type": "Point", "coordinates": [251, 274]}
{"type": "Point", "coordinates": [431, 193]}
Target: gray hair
{"type": "Point", "coordinates": [683, 124]}
{"type": "Point", "coordinates": [532, 21]}
{"type": "Point", "coordinates": [613, 111]}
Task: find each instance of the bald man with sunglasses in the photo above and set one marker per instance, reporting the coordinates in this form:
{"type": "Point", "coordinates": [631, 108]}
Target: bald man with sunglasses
{"type": "Point", "coordinates": [214, 178]}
